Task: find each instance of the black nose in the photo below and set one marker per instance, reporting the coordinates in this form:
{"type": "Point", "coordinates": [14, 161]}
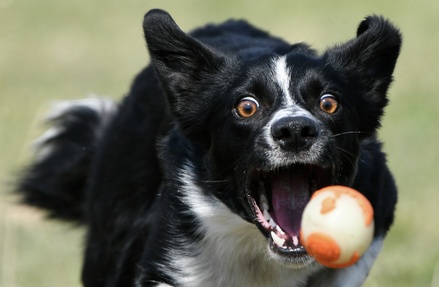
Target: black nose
{"type": "Point", "coordinates": [295, 133]}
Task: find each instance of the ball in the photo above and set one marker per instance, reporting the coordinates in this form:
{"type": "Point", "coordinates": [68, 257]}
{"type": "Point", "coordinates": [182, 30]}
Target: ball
{"type": "Point", "coordinates": [337, 226]}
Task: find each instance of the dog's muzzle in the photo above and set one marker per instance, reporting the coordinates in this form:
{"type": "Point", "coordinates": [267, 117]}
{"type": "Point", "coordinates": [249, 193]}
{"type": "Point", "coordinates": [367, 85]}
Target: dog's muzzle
{"type": "Point", "coordinates": [279, 190]}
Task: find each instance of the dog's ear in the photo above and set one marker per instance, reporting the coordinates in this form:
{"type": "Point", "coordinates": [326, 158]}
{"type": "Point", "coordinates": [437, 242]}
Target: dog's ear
{"type": "Point", "coordinates": [369, 61]}
{"type": "Point", "coordinates": [183, 65]}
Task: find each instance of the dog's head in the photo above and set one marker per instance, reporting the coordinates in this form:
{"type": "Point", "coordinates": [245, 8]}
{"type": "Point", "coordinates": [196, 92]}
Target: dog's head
{"type": "Point", "coordinates": [275, 124]}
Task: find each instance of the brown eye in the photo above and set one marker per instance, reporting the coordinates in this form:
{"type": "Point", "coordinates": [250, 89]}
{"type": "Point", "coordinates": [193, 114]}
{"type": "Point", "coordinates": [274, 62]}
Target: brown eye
{"type": "Point", "coordinates": [247, 107]}
{"type": "Point", "coordinates": [328, 103]}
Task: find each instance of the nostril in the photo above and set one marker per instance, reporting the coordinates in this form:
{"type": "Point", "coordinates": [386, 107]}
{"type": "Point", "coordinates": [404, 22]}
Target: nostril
{"type": "Point", "coordinates": [282, 134]}
{"type": "Point", "coordinates": [309, 132]}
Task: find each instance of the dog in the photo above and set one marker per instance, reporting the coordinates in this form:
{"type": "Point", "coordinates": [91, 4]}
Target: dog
{"type": "Point", "coordinates": [192, 179]}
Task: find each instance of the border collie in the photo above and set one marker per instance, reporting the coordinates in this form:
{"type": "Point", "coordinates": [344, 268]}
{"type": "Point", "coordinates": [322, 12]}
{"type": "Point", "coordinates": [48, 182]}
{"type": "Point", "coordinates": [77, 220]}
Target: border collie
{"type": "Point", "coordinates": [211, 157]}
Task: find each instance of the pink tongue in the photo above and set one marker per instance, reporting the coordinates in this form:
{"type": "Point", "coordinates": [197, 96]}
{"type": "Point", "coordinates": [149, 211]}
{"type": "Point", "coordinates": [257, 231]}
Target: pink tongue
{"type": "Point", "coordinates": [290, 194]}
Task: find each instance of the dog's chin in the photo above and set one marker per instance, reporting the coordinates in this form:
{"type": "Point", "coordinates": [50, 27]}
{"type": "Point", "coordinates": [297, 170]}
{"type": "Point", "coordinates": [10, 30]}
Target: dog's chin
{"type": "Point", "coordinates": [277, 199]}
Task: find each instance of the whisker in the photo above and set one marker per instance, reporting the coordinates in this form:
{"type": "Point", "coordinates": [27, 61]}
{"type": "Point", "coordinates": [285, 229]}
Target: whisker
{"type": "Point", "coordinates": [346, 153]}
{"type": "Point", "coordinates": [214, 181]}
{"type": "Point", "coordinates": [351, 132]}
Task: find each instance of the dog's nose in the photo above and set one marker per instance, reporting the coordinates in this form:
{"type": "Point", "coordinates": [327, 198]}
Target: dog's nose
{"type": "Point", "coordinates": [295, 133]}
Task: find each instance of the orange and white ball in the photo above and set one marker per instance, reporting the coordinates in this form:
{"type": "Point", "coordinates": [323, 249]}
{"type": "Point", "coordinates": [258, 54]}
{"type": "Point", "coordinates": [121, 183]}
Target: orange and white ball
{"type": "Point", "coordinates": [337, 226]}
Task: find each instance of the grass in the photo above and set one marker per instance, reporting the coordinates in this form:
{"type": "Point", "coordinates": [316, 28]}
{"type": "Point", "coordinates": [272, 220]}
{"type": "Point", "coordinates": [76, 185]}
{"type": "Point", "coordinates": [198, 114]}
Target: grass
{"type": "Point", "coordinates": [53, 50]}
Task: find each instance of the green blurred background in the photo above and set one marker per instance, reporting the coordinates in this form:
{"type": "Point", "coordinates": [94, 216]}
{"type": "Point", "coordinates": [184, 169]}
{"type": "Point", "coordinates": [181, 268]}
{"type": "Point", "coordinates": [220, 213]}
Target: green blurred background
{"type": "Point", "coordinates": [54, 50]}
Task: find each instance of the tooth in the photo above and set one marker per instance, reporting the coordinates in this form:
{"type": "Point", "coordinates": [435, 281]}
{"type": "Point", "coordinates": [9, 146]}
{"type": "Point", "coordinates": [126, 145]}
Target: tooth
{"type": "Point", "coordinates": [279, 229]}
{"type": "Point", "coordinates": [264, 202]}
{"type": "Point", "coordinates": [277, 240]}
{"type": "Point", "coordinates": [272, 223]}
{"type": "Point", "coordinates": [295, 240]}
{"type": "Point", "coordinates": [267, 215]}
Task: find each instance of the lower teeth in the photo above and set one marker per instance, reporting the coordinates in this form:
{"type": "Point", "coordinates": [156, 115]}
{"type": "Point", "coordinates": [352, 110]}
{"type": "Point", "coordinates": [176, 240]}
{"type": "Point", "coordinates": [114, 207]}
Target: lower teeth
{"type": "Point", "coordinates": [280, 230]}
{"type": "Point", "coordinates": [295, 240]}
{"type": "Point", "coordinates": [277, 240]}
{"type": "Point", "coordinates": [280, 242]}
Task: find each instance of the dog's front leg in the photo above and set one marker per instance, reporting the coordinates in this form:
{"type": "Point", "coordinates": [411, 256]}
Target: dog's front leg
{"type": "Point", "coordinates": [352, 276]}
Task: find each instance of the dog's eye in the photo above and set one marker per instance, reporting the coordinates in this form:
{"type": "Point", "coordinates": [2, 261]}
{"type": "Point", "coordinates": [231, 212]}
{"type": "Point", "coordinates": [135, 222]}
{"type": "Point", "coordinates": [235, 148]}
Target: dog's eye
{"type": "Point", "coordinates": [328, 104]}
{"type": "Point", "coordinates": [247, 107]}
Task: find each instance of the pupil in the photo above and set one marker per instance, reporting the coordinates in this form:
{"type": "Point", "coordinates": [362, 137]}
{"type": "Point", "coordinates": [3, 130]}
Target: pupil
{"type": "Point", "coordinates": [248, 108]}
{"type": "Point", "coordinates": [327, 105]}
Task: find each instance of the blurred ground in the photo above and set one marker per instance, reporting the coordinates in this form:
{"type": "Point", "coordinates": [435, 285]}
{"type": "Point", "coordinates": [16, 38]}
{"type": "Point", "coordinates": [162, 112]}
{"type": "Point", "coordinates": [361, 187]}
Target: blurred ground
{"type": "Point", "coordinates": [52, 50]}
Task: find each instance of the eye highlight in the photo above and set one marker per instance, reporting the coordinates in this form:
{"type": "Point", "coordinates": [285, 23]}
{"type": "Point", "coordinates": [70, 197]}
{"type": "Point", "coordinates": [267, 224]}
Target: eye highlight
{"type": "Point", "coordinates": [328, 103]}
{"type": "Point", "coordinates": [247, 107]}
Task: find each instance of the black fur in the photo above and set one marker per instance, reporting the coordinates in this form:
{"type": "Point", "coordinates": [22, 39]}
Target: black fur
{"type": "Point", "coordinates": [179, 119]}
{"type": "Point", "coordinates": [66, 167]}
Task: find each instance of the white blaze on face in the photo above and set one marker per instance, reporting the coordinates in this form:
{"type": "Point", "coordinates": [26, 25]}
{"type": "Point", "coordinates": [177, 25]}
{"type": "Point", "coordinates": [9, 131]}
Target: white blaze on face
{"type": "Point", "coordinates": [287, 108]}
{"type": "Point", "coordinates": [282, 76]}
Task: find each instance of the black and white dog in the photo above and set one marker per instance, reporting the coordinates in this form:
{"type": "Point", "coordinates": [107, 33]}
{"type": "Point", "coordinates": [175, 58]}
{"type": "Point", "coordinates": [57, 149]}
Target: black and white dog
{"type": "Point", "coordinates": [199, 177]}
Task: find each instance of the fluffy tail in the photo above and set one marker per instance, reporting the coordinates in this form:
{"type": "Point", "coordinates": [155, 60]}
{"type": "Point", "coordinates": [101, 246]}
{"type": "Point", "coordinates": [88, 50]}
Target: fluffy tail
{"type": "Point", "coordinates": [57, 178]}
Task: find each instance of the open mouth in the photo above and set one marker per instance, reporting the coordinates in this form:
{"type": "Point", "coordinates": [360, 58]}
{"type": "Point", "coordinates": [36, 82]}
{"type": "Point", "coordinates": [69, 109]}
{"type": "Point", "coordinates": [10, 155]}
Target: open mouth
{"type": "Point", "coordinates": [278, 199]}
